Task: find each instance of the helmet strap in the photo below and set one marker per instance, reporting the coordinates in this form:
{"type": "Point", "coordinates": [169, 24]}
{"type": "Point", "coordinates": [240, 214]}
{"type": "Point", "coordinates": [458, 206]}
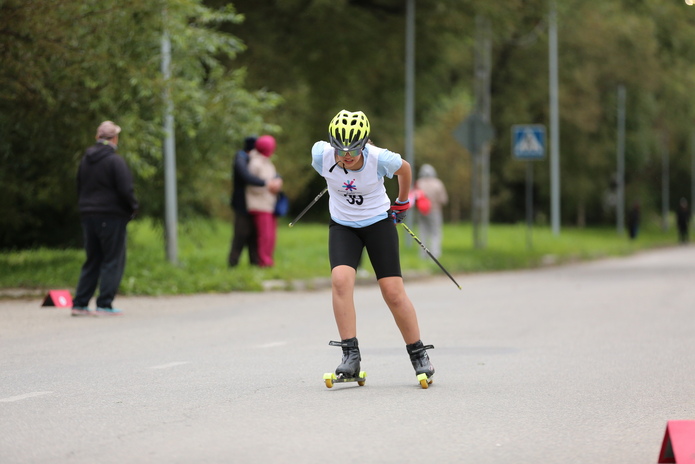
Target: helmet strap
{"type": "Point", "coordinates": [333, 167]}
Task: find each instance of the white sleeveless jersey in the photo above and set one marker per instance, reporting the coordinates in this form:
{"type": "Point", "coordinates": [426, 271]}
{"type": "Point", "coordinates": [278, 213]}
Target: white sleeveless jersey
{"type": "Point", "coordinates": [358, 195]}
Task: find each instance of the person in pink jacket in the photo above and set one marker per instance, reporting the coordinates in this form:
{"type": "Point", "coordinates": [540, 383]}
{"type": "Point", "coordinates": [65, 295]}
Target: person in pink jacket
{"type": "Point", "coordinates": [260, 201]}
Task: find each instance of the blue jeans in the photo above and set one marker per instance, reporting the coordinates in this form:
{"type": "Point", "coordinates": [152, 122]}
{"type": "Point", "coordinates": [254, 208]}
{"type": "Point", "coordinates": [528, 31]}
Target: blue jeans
{"type": "Point", "coordinates": [105, 246]}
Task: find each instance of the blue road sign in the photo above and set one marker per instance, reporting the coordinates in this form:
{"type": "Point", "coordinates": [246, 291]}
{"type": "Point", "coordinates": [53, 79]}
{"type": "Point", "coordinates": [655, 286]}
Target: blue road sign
{"type": "Point", "coordinates": [528, 141]}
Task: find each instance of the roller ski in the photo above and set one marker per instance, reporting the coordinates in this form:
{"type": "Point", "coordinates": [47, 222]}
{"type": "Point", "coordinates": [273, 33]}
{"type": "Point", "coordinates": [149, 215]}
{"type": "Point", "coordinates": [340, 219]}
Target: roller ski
{"type": "Point", "coordinates": [424, 370]}
{"type": "Point", "coordinates": [349, 368]}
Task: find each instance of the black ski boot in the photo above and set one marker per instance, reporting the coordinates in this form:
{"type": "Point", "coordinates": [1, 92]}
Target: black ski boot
{"type": "Point", "coordinates": [350, 365]}
{"type": "Point", "coordinates": [424, 370]}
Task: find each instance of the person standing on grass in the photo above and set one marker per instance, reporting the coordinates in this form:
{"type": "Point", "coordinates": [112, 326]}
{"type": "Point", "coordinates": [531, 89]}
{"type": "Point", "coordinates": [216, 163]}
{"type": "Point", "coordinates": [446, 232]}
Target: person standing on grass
{"type": "Point", "coordinates": [260, 200]}
{"type": "Point", "coordinates": [106, 202]}
{"type": "Point", "coordinates": [244, 235]}
{"type": "Point", "coordinates": [430, 223]}
{"type": "Point", "coordinates": [683, 220]}
{"type": "Point", "coordinates": [362, 216]}
{"type": "Point", "coordinates": [633, 220]}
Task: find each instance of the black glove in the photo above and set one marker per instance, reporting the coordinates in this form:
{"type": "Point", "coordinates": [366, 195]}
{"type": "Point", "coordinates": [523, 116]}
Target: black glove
{"type": "Point", "coordinates": [398, 211]}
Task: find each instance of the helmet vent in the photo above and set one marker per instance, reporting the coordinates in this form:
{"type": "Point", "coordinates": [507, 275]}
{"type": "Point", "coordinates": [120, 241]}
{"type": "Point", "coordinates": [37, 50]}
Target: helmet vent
{"type": "Point", "coordinates": [348, 130]}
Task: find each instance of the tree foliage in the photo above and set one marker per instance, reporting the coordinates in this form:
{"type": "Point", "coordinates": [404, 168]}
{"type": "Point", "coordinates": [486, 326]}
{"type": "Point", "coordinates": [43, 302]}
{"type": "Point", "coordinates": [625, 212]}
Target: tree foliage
{"type": "Point", "coordinates": [287, 66]}
{"type": "Point", "coordinates": [326, 55]}
{"type": "Point", "coordinates": [67, 65]}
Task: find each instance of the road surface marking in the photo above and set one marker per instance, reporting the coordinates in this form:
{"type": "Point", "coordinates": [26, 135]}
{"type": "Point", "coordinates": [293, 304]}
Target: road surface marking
{"type": "Point", "coordinates": [272, 344]}
{"type": "Point", "coordinates": [171, 364]}
{"type": "Point", "coordinates": [23, 397]}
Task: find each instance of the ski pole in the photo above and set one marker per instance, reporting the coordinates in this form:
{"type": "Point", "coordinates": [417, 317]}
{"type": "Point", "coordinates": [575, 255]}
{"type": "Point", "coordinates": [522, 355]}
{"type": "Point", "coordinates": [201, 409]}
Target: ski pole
{"type": "Point", "coordinates": [428, 252]}
{"type": "Point", "coordinates": [308, 206]}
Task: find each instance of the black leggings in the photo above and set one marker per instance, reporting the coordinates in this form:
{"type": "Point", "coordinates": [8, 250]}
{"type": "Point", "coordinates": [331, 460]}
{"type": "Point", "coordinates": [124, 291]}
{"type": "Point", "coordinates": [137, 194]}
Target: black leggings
{"type": "Point", "coordinates": [345, 245]}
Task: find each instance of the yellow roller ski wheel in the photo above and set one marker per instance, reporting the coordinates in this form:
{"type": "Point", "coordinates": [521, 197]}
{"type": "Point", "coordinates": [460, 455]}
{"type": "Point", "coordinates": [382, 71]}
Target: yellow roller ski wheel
{"type": "Point", "coordinates": [363, 375]}
{"type": "Point", "coordinates": [328, 379]}
{"type": "Point", "coordinates": [424, 381]}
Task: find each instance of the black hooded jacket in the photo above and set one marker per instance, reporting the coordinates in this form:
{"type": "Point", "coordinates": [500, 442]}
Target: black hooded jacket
{"type": "Point", "coordinates": [105, 184]}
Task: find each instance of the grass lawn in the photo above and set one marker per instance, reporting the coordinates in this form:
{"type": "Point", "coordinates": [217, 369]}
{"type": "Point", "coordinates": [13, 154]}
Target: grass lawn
{"type": "Point", "coordinates": [301, 253]}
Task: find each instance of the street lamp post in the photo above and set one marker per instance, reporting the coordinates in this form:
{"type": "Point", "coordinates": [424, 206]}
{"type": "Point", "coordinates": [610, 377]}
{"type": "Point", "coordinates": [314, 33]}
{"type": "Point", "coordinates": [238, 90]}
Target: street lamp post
{"type": "Point", "coordinates": [170, 211]}
{"type": "Point", "coordinates": [554, 121]}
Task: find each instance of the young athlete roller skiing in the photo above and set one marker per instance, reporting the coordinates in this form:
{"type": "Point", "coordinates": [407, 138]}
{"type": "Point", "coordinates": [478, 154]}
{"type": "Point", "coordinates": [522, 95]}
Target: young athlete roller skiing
{"type": "Point", "coordinates": [363, 217]}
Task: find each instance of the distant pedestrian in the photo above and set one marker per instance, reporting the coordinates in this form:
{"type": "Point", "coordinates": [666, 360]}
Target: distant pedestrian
{"type": "Point", "coordinates": [260, 200]}
{"type": "Point", "coordinates": [633, 220]}
{"type": "Point", "coordinates": [106, 201]}
{"type": "Point", "coordinates": [244, 235]}
{"type": "Point", "coordinates": [683, 220]}
{"type": "Point", "coordinates": [430, 224]}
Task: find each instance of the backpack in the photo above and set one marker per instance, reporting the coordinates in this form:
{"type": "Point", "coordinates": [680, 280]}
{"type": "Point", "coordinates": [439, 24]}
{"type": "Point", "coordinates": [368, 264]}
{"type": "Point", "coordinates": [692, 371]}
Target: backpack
{"type": "Point", "coordinates": [422, 203]}
{"type": "Point", "coordinates": [282, 205]}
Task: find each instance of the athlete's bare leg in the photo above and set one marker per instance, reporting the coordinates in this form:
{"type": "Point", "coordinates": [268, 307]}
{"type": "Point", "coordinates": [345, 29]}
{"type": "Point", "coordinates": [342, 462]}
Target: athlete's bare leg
{"type": "Point", "coordinates": [343, 287]}
{"type": "Point", "coordinates": [393, 291]}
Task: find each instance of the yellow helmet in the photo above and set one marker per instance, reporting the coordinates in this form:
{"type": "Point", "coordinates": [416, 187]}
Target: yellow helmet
{"type": "Point", "coordinates": [348, 131]}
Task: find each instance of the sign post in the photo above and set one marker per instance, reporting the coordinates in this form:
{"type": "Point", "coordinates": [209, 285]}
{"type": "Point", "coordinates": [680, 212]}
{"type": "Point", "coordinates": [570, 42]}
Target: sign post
{"type": "Point", "coordinates": [473, 133]}
{"type": "Point", "coordinates": [528, 144]}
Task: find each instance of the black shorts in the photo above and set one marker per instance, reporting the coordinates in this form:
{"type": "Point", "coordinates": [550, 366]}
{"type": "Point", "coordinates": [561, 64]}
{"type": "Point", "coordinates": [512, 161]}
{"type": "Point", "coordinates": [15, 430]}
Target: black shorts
{"type": "Point", "coordinates": [345, 245]}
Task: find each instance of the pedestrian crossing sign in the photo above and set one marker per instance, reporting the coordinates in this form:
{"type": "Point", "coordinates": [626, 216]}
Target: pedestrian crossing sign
{"type": "Point", "coordinates": [528, 141]}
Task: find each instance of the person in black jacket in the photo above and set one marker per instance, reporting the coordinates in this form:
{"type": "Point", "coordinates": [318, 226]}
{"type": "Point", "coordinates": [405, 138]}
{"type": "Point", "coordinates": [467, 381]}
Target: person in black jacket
{"type": "Point", "coordinates": [683, 220]}
{"type": "Point", "coordinates": [106, 202]}
{"type": "Point", "coordinates": [244, 230]}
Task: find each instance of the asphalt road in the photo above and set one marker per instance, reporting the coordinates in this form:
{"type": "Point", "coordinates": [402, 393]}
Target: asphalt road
{"type": "Point", "coordinates": [583, 363]}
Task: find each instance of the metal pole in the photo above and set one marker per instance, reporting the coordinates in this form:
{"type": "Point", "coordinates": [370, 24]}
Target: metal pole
{"type": "Point", "coordinates": [486, 61]}
{"type": "Point", "coordinates": [554, 121]}
{"type": "Point", "coordinates": [692, 175]}
{"type": "Point", "coordinates": [480, 174]}
{"type": "Point", "coordinates": [475, 197]}
{"type": "Point", "coordinates": [170, 212]}
{"type": "Point", "coordinates": [429, 253]}
{"type": "Point", "coordinates": [316, 198]}
{"type": "Point", "coordinates": [529, 204]}
{"type": "Point", "coordinates": [664, 183]}
{"type": "Point", "coordinates": [410, 84]}
{"type": "Point", "coordinates": [620, 197]}
{"type": "Point", "coordinates": [410, 89]}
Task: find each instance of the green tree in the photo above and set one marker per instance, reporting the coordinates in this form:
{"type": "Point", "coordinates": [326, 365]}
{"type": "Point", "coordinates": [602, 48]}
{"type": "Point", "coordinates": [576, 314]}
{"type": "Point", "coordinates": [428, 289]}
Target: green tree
{"type": "Point", "coordinates": [325, 55]}
{"type": "Point", "coordinates": [68, 65]}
